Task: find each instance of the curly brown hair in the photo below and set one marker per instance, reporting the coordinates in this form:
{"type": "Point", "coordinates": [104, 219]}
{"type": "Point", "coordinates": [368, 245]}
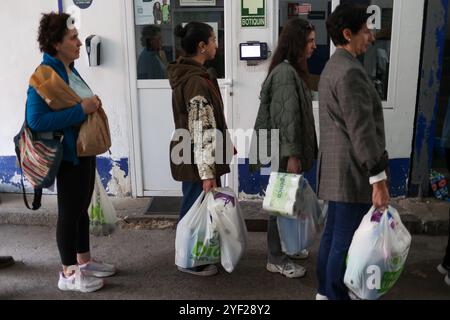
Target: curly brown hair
{"type": "Point", "coordinates": [52, 29]}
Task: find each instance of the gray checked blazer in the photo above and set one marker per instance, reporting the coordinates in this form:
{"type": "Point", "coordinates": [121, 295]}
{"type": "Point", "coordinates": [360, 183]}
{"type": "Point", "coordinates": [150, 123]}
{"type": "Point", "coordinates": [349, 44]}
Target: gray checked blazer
{"type": "Point", "coordinates": [352, 141]}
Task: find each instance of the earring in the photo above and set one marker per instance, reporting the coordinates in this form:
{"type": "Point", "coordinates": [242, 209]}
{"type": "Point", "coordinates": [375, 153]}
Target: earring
{"type": "Point", "coordinates": [203, 51]}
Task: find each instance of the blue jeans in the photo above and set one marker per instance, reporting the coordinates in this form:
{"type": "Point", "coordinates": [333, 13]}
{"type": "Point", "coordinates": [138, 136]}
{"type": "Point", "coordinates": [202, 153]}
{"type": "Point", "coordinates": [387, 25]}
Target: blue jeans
{"type": "Point", "coordinates": [191, 191]}
{"type": "Point", "coordinates": [342, 221]}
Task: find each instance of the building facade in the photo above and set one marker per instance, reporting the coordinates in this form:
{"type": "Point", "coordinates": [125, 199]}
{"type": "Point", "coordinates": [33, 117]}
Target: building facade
{"type": "Point", "coordinates": [137, 42]}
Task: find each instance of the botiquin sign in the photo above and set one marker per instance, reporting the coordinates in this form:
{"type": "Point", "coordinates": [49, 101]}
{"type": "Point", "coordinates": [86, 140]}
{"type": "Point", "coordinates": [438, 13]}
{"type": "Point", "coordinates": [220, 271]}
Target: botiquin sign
{"type": "Point", "coordinates": [253, 13]}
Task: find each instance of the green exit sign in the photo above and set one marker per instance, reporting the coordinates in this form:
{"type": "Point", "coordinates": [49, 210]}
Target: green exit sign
{"type": "Point", "coordinates": [253, 13]}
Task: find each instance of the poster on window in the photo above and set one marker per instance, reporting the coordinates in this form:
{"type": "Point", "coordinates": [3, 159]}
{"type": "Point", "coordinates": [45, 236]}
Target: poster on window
{"type": "Point", "coordinates": [298, 9]}
{"type": "Point", "coordinates": [152, 12]}
{"type": "Point", "coordinates": [197, 3]}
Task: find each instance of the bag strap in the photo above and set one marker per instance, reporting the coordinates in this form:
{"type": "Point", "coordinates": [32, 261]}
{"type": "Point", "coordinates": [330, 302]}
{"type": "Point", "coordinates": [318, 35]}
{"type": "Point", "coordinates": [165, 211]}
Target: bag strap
{"type": "Point", "coordinates": [37, 191]}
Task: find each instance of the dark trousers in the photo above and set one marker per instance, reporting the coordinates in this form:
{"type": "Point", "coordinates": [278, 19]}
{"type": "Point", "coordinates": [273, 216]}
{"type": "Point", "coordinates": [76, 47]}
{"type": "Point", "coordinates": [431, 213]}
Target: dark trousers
{"type": "Point", "coordinates": [191, 191]}
{"type": "Point", "coordinates": [275, 253]}
{"type": "Point", "coordinates": [75, 186]}
{"type": "Point", "coordinates": [342, 221]}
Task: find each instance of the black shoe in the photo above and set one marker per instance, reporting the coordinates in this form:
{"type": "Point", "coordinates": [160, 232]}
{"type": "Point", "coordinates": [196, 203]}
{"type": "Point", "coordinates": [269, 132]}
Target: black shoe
{"type": "Point", "coordinates": [6, 261]}
{"type": "Point", "coordinates": [205, 270]}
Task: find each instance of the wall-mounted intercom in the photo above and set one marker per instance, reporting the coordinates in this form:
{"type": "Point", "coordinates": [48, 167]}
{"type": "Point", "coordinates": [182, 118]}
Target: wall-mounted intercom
{"type": "Point", "coordinates": [93, 45]}
{"type": "Point", "coordinates": [253, 50]}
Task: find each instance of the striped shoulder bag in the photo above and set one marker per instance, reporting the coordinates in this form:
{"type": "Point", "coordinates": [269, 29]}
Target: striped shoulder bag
{"type": "Point", "coordinates": [39, 158]}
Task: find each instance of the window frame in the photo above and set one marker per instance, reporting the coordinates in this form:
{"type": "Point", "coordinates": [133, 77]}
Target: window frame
{"type": "Point", "coordinates": [164, 83]}
{"type": "Point", "coordinates": [392, 98]}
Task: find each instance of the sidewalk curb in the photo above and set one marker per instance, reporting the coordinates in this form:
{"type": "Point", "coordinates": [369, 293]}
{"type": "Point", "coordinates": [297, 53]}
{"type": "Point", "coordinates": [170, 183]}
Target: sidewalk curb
{"type": "Point", "coordinates": [414, 225]}
{"type": "Point", "coordinates": [415, 219]}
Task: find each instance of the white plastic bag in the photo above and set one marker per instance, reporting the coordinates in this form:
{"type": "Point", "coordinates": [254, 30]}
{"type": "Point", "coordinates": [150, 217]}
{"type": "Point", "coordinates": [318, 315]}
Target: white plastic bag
{"type": "Point", "coordinates": [306, 202]}
{"type": "Point", "coordinates": [197, 240]}
{"type": "Point", "coordinates": [102, 215]}
{"type": "Point", "coordinates": [299, 233]}
{"type": "Point", "coordinates": [377, 254]}
{"type": "Point", "coordinates": [228, 218]}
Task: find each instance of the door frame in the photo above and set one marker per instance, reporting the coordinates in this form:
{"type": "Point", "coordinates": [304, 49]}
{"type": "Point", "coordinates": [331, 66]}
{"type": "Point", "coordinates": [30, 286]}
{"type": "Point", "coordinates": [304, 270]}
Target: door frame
{"type": "Point", "coordinates": [134, 136]}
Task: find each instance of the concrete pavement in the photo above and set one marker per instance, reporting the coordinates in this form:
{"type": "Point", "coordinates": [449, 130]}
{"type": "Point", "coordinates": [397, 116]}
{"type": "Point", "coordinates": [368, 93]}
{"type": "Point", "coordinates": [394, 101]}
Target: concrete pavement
{"type": "Point", "coordinates": [143, 250]}
{"type": "Point", "coordinates": [145, 260]}
{"type": "Point", "coordinates": [421, 216]}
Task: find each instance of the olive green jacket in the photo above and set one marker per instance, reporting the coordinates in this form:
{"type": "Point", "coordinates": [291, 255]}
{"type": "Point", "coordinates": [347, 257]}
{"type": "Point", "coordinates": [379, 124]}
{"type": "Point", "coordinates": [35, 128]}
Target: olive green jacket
{"type": "Point", "coordinates": [286, 105]}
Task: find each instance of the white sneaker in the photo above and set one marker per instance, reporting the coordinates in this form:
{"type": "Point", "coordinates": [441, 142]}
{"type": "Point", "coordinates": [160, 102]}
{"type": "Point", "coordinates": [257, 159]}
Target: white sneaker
{"type": "Point", "coordinates": [304, 254]}
{"type": "Point", "coordinates": [97, 269]}
{"type": "Point", "coordinates": [290, 269]}
{"type": "Point", "coordinates": [447, 280]}
{"type": "Point", "coordinates": [79, 282]}
{"type": "Point", "coordinates": [321, 297]}
{"type": "Point", "coordinates": [442, 270]}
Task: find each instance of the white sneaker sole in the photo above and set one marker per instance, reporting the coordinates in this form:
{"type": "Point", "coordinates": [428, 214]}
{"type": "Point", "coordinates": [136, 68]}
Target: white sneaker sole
{"type": "Point", "coordinates": [64, 287]}
{"type": "Point", "coordinates": [274, 269]}
{"type": "Point", "coordinates": [442, 270]}
{"type": "Point", "coordinates": [98, 274]}
{"type": "Point", "coordinates": [320, 297]}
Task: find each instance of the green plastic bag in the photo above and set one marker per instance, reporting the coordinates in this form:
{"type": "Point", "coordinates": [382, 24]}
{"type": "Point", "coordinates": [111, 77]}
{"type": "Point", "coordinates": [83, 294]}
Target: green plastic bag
{"type": "Point", "coordinates": [102, 215]}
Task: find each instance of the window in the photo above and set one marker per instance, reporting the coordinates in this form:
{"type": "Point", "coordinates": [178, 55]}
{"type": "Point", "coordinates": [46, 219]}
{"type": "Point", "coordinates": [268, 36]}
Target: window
{"type": "Point", "coordinates": [317, 13]}
{"type": "Point", "coordinates": [156, 45]}
{"type": "Point", "coordinates": [376, 60]}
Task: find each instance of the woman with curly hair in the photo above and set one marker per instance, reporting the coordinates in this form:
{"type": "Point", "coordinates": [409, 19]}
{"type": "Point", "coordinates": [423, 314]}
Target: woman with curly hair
{"type": "Point", "coordinates": [59, 42]}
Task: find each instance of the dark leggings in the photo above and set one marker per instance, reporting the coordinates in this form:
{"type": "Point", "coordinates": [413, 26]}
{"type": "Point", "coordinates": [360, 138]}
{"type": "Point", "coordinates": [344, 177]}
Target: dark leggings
{"type": "Point", "coordinates": [75, 186]}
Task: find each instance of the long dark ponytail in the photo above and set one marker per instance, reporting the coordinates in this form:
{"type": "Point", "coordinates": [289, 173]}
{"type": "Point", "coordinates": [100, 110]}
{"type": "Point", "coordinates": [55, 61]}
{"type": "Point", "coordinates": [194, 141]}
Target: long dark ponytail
{"type": "Point", "coordinates": [291, 46]}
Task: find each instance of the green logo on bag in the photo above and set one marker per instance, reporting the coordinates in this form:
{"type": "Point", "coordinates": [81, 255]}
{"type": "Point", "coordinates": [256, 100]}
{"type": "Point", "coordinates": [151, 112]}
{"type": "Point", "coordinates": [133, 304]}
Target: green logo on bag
{"type": "Point", "coordinates": [389, 279]}
{"type": "Point", "coordinates": [280, 196]}
{"type": "Point", "coordinates": [201, 251]}
{"type": "Point", "coordinates": [96, 213]}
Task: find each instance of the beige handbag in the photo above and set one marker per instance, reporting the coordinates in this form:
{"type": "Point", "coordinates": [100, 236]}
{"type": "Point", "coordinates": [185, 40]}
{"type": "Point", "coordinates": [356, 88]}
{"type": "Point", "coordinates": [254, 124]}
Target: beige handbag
{"type": "Point", "coordinates": [94, 137]}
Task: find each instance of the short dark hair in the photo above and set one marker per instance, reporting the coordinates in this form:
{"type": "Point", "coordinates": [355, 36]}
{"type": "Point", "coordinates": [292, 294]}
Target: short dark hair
{"type": "Point", "coordinates": [192, 34]}
{"type": "Point", "coordinates": [346, 16]}
{"type": "Point", "coordinates": [52, 29]}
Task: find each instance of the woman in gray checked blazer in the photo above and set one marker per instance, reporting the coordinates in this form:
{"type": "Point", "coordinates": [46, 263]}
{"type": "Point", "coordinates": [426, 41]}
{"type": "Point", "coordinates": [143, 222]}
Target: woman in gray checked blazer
{"type": "Point", "coordinates": [352, 160]}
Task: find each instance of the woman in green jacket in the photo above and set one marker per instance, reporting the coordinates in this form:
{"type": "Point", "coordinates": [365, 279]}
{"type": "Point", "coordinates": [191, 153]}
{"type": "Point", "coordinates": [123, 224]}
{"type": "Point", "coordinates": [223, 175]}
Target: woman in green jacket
{"type": "Point", "coordinates": [286, 105]}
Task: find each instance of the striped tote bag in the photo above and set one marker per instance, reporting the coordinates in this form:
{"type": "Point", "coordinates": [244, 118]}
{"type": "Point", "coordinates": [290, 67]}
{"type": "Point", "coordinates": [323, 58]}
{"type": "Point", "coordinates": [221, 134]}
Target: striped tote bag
{"type": "Point", "coordinates": [39, 159]}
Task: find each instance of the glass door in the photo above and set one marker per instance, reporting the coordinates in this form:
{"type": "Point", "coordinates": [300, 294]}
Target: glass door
{"type": "Point", "coordinates": [154, 46]}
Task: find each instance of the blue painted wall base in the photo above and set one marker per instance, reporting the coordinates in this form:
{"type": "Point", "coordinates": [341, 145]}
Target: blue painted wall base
{"type": "Point", "coordinates": [254, 184]}
{"type": "Point", "coordinates": [10, 174]}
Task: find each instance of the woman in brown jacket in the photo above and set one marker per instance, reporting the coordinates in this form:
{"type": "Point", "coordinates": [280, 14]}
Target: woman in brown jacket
{"type": "Point", "coordinates": [199, 118]}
